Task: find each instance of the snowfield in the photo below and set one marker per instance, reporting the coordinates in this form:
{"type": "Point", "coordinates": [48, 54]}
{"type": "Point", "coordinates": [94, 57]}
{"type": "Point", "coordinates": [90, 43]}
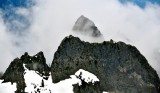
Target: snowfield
{"type": "Point", "coordinates": [7, 87]}
{"type": "Point", "coordinates": [36, 83]}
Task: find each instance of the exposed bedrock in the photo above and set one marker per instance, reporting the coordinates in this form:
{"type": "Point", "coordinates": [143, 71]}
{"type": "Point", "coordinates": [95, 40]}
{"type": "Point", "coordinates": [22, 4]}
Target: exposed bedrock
{"type": "Point", "coordinates": [120, 67]}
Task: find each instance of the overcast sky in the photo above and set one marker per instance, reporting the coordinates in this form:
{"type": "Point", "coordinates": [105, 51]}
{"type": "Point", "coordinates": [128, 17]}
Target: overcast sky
{"type": "Point", "coordinates": [51, 20]}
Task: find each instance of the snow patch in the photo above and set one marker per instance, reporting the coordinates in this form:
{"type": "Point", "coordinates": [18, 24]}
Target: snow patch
{"type": "Point", "coordinates": [36, 83]}
{"type": "Point", "coordinates": [107, 92]}
{"type": "Point", "coordinates": [86, 76]}
{"type": "Point", "coordinates": [7, 87]}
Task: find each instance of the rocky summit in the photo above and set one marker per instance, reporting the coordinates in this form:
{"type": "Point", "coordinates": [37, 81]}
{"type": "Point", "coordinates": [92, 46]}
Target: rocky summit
{"type": "Point", "coordinates": [116, 67]}
{"type": "Point", "coordinates": [120, 67]}
{"type": "Point", "coordinates": [15, 72]}
{"type": "Point", "coordinates": [86, 27]}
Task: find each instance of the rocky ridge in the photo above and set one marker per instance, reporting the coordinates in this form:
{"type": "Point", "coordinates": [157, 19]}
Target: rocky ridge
{"type": "Point", "coordinates": [15, 71]}
{"type": "Point", "coordinates": [121, 68]}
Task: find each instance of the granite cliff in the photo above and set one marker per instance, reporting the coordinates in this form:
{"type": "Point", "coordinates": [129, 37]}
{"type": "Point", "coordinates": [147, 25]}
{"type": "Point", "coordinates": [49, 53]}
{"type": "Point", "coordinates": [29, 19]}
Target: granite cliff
{"type": "Point", "coordinates": [120, 67]}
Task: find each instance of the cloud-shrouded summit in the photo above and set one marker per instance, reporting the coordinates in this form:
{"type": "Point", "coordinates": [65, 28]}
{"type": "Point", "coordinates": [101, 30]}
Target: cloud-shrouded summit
{"type": "Point", "coordinates": [46, 23]}
{"type": "Point", "coordinates": [87, 30]}
{"type": "Point", "coordinates": [85, 26]}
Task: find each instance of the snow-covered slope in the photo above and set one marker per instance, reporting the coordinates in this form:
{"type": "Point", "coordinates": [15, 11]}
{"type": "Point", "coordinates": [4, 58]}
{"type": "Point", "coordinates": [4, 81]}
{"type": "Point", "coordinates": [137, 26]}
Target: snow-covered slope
{"type": "Point", "coordinates": [7, 87]}
{"type": "Point", "coordinates": [35, 82]}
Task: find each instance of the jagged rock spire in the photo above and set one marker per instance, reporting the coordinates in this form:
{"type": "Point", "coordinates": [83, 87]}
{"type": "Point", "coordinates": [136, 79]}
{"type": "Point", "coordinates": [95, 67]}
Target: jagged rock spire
{"type": "Point", "coordinates": [15, 71]}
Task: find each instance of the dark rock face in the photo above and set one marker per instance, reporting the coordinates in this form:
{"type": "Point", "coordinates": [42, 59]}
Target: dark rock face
{"type": "Point", "coordinates": [15, 71]}
{"type": "Point", "coordinates": [87, 88]}
{"type": "Point", "coordinates": [14, 74]}
{"type": "Point", "coordinates": [121, 68]}
{"type": "Point", "coordinates": [37, 63]}
{"type": "Point", "coordinates": [88, 84]}
{"type": "Point", "coordinates": [86, 26]}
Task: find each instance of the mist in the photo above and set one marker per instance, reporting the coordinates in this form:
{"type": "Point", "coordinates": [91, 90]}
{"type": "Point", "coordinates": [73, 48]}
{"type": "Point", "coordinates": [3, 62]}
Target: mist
{"type": "Point", "coordinates": [52, 20]}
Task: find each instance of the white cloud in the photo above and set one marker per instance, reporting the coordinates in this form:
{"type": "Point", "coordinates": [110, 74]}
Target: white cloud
{"type": "Point", "coordinates": [52, 20]}
{"type": "Point", "coordinates": [22, 11]}
{"type": "Point", "coordinates": [5, 46]}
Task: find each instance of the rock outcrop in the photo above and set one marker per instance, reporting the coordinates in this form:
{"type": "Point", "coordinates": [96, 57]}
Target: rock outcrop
{"type": "Point", "coordinates": [121, 68]}
{"type": "Point", "coordinates": [86, 26]}
{"type": "Point", "coordinates": [87, 88]}
{"type": "Point", "coordinates": [37, 63]}
{"type": "Point", "coordinates": [88, 82]}
{"type": "Point", "coordinates": [15, 71]}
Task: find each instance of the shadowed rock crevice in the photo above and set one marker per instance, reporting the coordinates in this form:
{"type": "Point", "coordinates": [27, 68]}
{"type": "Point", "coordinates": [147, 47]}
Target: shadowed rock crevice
{"type": "Point", "coordinates": [120, 67]}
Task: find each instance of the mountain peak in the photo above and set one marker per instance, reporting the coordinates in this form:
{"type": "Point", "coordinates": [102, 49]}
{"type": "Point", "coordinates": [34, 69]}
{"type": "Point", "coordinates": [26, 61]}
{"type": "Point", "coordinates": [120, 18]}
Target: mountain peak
{"type": "Point", "coordinates": [95, 67]}
{"type": "Point", "coordinates": [85, 26]}
{"type": "Point", "coordinates": [117, 65]}
{"type": "Point", "coordinates": [15, 71]}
